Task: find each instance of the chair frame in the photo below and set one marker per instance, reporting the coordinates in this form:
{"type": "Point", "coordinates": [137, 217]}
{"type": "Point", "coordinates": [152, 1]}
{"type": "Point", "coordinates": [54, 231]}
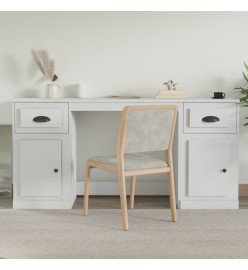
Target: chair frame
{"type": "Point", "coordinates": [119, 169]}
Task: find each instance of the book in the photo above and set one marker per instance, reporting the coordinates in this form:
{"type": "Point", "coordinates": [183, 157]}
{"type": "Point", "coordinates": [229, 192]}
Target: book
{"type": "Point", "coordinates": [171, 94]}
{"type": "Point", "coordinates": [175, 97]}
{"type": "Point", "coordinates": [170, 91]}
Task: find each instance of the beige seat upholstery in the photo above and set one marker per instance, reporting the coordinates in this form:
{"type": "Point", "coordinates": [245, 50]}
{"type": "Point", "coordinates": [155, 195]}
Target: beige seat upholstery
{"type": "Point", "coordinates": [132, 161]}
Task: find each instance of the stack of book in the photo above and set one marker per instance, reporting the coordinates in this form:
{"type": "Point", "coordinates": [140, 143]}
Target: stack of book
{"type": "Point", "coordinates": [175, 94]}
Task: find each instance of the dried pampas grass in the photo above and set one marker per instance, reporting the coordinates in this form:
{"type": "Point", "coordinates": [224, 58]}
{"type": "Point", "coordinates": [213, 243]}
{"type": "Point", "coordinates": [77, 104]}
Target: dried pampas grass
{"type": "Point", "coordinates": [46, 65]}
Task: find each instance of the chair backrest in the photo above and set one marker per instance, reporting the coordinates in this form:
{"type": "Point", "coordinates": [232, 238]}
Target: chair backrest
{"type": "Point", "coordinates": [147, 128]}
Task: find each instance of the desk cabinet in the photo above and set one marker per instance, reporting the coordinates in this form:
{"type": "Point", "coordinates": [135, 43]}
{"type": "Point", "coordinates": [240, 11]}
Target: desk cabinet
{"type": "Point", "coordinates": [42, 171]}
{"type": "Point", "coordinates": [210, 168]}
{"type": "Point", "coordinates": [205, 151]}
{"type": "Point", "coordinates": [209, 156]}
{"type": "Point", "coordinates": [40, 167]}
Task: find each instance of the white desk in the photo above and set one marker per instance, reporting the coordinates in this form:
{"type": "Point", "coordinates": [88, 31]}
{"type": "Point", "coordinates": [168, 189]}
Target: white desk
{"type": "Point", "coordinates": [44, 153]}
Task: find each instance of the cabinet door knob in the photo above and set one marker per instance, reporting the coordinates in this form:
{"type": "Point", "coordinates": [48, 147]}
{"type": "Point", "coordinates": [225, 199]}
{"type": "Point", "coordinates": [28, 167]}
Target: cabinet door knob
{"type": "Point", "coordinates": [224, 170]}
{"type": "Point", "coordinates": [55, 170]}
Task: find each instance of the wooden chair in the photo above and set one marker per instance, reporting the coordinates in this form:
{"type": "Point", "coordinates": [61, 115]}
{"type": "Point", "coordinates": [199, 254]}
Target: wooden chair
{"type": "Point", "coordinates": [143, 129]}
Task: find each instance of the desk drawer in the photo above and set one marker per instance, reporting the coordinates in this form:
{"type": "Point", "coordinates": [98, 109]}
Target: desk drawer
{"type": "Point", "coordinates": [210, 118]}
{"type": "Point", "coordinates": [41, 117]}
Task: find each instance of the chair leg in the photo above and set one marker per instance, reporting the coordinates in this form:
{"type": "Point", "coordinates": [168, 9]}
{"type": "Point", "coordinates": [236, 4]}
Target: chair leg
{"type": "Point", "coordinates": [86, 188]}
{"type": "Point", "coordinates": [172, 195]}
{"type": "Point", "coordinates": [132, 190]}
{"type": "Point", "coordinates": [123, 199]}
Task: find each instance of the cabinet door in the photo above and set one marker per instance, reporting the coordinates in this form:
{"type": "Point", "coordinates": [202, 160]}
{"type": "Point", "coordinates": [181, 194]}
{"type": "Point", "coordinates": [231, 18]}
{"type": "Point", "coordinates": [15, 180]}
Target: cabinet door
{"type": "Point", "coordinates": [210, 168]}
{"type": "Point", "coordinates": [40, 167]}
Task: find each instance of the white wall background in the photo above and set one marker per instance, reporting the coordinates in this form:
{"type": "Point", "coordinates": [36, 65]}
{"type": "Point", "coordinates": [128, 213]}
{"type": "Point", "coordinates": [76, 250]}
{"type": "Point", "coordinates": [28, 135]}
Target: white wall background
{"type": "Point", "coordinates": [130, 53]}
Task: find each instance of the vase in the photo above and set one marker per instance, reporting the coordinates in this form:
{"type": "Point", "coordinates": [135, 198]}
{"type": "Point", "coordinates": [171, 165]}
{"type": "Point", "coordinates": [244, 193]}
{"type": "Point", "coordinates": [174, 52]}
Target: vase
{"type": "Point", "coordinates": [52, 91]}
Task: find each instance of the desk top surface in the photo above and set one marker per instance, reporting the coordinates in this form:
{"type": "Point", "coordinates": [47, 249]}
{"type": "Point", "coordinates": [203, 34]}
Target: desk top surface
{"type": "Point", "coordinates": [126, 100]}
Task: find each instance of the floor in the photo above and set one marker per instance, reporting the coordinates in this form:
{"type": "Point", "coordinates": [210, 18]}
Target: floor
{"type": "Point", "coordinates": [68, 234]}
{"type": "Point", "coordinates": [113, 202]}
{"type": "Point", "coordinates": [56, 234]}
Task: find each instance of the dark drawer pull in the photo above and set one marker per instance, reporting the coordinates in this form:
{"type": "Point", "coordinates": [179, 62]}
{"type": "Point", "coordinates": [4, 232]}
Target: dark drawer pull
{"type": "Point", "coordinates": [41, 119]}
{"type": "Point", "coordinates": [210, 119]}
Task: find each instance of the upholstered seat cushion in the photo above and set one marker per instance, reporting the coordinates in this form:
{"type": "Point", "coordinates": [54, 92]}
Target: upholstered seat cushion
{"type": "Point", "coordinates": [133, 161]}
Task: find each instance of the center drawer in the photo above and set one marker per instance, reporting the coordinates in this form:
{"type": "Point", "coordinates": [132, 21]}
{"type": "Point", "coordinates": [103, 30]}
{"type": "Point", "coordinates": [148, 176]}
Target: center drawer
{"type": "Point", "coordinates": [41, 117]}
{"type": "Point", "coordinates": [210, 118]}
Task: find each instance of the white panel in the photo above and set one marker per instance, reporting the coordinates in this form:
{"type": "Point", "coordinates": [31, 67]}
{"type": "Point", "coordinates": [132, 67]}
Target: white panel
{"type": "Point", "coordinates": [196, 116]}
{"type": "Point", "coordinates": [210, 204]}
{"type": "Point", "coordinates": [106, 105]}
{"type": "Point", "coordinates": [38, 159]}
{"type": "Point", "coordinates": [195, 112]}
{"type": "Point", "coordinates": [30, 204]}
{"type": "Point", "coordinates": [24, 113]}
{"type": "Point", "coordinates": [206, 160]}
{"type": "Point", "coordinates": [27, 116]}
{"type": "Point", "coordinates": [66, 166]}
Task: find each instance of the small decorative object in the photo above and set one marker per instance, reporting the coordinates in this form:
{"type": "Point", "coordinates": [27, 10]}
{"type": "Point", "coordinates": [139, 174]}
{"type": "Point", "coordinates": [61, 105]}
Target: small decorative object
{"type": "Point", "coordinates": [52, 90]}
{"type": "Point", "coordinates": [47, 67]}
{"type": "Point", "coordinates": [219, 95]}
{"type": "Point", "coordinates": [170, 85]}
{"type": "Point", "coordinates": [175, 94]}
{"type": "Point", "coordinates": [81, 90]}
{"type": "Point", "coordinates": [244, 92]}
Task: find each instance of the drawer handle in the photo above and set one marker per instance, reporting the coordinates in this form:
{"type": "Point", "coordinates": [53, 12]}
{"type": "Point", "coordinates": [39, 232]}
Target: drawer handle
{"type": "Point", "coordinates": [210, 119]}
{"type": "Point", "coordinates": [41, 119]}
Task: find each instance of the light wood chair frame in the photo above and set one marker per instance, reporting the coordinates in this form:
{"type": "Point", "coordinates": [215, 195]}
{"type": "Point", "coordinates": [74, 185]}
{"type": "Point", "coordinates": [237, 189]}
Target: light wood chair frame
{"type": "Point", "coordinates": [120, 170]}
